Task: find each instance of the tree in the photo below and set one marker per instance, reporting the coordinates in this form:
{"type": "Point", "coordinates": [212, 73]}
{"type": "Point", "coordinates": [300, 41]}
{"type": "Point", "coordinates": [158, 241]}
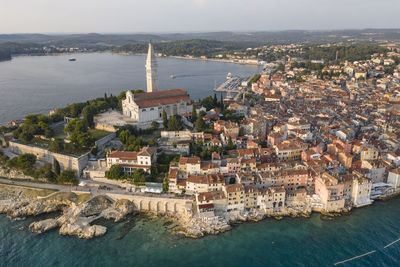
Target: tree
{"type": "Point", "coordinates": [47, 173]}
{"type": "Point", "coordinates": [55, 146]}
{"type": "Point", "coordinates": [174, 124]}
{"type": "Point", "coordinates": [68, 177]}
{"type": "Point", "coordinates": [116, 172]}
{"type": "Point", "coordinates": [94, 150]}
{"type": "Point", "coordinates": [26, 161]}
{"type": "Point", "coordinates": [194, 113]}
{"type": "Point", "coordinates": [88, 115]}
{"type": "Point", "coordinates": [154, 125]}
{"type": "Point", "coordinates": [221, 103]}
{"type": "Point", "coordinates": [215, 100]}
{"type": "Point", "coordinates": [229, 145]}
{"type": "Point", "coordinates": [56, 166]}
{"type": "Point", "coordinates": [165, 118]}
{"type": "Point", "coordinates": [232, 180]}
{"type": "Point", "coordinates": [138, 176]}
{"type": "Point", "coordinates": [166, 184]}
{"type": "Point", "coordinates": [124, 136]}
{"type": "Point", "coordinates": [200, 124]}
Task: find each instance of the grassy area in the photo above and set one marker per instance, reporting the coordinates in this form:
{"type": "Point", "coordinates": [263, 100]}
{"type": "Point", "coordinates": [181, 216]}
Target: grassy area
{"type": "Point", "coordinates": [40, 142]}
{"type": "Point", "coordinates": [59, 132]}
{"type": "Point", "coordinates": [98, 134]}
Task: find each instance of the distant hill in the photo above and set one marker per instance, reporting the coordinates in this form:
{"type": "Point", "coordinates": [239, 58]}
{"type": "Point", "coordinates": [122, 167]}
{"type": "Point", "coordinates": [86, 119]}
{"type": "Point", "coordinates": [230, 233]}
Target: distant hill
{"type": "Point", "coordinates": [265, 37]}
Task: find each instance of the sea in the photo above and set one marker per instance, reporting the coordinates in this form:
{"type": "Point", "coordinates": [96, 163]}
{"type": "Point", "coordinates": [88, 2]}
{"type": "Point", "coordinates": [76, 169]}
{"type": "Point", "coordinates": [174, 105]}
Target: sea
{"type": "Point", "coordinates": [38, 84]}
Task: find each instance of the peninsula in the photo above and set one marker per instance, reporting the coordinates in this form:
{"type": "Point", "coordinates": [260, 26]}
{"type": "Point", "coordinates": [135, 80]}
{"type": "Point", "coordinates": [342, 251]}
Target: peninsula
{"type": "Point", "coordinates": [316, 131]}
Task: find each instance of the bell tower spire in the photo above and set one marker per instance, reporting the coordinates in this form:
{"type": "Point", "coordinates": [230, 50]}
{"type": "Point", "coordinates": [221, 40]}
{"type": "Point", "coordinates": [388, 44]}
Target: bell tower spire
{"type": "Point", "coordinates": [151, 70]}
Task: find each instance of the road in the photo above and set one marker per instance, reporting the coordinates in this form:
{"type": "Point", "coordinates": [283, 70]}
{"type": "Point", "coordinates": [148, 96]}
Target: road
{"type": "Point", "coordinates": [93, 188]}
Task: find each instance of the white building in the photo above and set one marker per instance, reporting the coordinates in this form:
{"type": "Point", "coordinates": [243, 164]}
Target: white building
{"type": "Point", "coordinates": [129, 161]}
{"type": "Point", "coordinates": [394, 178]}
{"type": "Point", "coordinates": [361, 193]}
{"type": "Point", "coordinates": [148, 107]}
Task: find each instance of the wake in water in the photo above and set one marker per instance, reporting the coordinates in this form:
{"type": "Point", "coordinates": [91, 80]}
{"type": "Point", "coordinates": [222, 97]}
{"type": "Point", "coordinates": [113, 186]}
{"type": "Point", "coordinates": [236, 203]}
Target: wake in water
{"type": "Point", "coordinates": [366, 254]}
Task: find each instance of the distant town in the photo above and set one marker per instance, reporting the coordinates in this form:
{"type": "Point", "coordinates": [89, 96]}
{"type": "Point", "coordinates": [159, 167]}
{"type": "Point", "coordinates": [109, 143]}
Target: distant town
{"type": "Point", "coordinates": [318, 130]}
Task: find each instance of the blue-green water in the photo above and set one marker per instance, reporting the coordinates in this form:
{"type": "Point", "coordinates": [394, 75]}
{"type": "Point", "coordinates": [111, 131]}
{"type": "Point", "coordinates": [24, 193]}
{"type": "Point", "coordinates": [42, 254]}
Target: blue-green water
{"type": "Point", "coordinates": [289, 242]}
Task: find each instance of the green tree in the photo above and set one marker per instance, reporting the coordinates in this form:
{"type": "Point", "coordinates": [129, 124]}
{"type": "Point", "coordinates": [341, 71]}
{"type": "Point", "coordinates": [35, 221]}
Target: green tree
{"type": "Point", "coordinates": [124, 136]}
{"type": "Point", "coordinates": [115, 173]}
{"type": "Point", "coordinates": [215, 100]}
{"type": "Point", "coordinates": [26, 161]}
{"type": "Point", "coordinates": [138, 176]}
{"type": "Point", "coordinates": [55, 146]}
{"type": "Point", "coordinates": [31, 119]}
{"type": "Point", "coordinates": [174, 124]}
{"type": "Point", "coordinates": [166, 184]}
{"type": "Point", "coordinates": [56, 166]}
{"type": "Point", "coordinates": [165, 119]}
{"type": "Point", "coordinates": [88, 116]}
{"type": "Point", "coordinates": [68, 177]}
{"type": "Point", "coordinates": [221, 103]}
{"type": "Point", "coordinates": [194, 113]}
{"type": "Point", "coordinates": [154, 125]}
{"type": "Point", "coordinates": [229, 145]}
{"type": "Point", "coordinates": [200, 124]}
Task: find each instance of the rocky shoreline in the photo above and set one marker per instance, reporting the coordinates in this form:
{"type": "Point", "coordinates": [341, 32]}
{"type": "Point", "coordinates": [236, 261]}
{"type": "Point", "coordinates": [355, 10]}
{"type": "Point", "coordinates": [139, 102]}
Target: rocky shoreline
{"type": "Point", "coordinates": [78, 211]}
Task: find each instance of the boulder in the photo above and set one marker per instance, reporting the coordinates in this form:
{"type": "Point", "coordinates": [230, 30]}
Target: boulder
{"type": "Point", "coordinates": [43, 226]}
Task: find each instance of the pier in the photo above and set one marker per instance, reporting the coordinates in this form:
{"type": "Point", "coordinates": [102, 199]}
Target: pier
{"type": "Point", "coordinates": [232, 85]}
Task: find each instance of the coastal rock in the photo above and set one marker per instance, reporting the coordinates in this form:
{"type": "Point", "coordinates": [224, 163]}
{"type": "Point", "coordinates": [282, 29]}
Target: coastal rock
{"type": "Point", "coordinates": [95, 206]}
{"type": "Point", "coordinates": [82, 230]}
{"type": "Point", "coordinates": [119, 210]}
{"type": "Point", "coordinates": [43, 226]}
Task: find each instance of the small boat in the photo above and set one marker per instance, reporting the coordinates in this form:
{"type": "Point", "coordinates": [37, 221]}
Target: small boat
{"type": "Point", "coordinates": [229, 76]}
{"type": "Point", "coordinates": [172, 76]}
{"type": "Point", "coordinates": [72, 59]}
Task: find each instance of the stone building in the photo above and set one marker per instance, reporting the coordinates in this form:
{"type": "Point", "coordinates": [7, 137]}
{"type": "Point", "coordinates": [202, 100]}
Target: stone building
{"type": "Point", "coordinates": [148, 107]}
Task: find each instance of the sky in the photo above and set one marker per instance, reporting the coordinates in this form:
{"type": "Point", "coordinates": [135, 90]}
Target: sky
{"type": "Point", "coordinates": [157, 16]}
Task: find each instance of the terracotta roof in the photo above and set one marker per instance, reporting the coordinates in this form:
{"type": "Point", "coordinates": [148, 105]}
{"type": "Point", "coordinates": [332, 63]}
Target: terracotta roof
{"type": "Point", "coordinates": [124, 155]}
{"type": "Point", "coordinates": [167, 97]}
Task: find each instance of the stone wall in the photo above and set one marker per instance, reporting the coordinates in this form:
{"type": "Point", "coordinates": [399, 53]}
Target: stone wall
{"type": "Point", "coordinates": [102, 143]}
{"type": "Point", "coordinates": [76, 163]}
{"type": "Point", "coordinates": [158, 205]}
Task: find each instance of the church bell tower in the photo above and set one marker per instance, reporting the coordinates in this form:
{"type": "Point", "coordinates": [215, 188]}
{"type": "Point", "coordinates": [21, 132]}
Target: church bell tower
{"type": "Point", "coordinates": [151, 70]}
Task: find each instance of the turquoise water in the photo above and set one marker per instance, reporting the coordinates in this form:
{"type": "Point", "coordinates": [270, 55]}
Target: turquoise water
{"type": "Point", "coordinates": [143, 241]}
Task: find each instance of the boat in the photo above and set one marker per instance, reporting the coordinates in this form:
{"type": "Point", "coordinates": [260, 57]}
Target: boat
{"type": "Point", "coordinates": [172, 76]}
{"type": "Point", "coordinates": [229, 76]}
{"type": "Point", "coordinates": [72, 59]}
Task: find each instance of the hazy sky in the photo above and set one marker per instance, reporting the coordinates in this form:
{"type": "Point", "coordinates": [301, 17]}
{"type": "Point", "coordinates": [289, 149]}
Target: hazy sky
{"type": "Point", "coordinates": [56, 16]}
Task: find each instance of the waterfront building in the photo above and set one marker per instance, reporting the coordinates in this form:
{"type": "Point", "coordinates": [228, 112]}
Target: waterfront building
{"type": "Point", "coordinates": [151, 70]}
{"type": "Point", "coordinates": [204, 183]}
{"type": "Point", "coordinates": [330, 190]}
{"type": "Point", "coordinates": [235, 196]}
{"type": "Point", "coordinates": [361, 194]}
{"type": "Point", "coordinates": [129, 161]}
{"type": "Point", "coordinates": [394, 178]}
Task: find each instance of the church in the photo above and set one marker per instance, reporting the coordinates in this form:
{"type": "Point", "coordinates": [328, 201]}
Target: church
{"type": "Point", "coordinates": [148, 107]}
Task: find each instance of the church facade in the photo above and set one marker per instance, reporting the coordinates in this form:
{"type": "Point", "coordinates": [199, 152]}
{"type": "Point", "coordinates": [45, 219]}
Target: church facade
{"type": "Point", "coordinates": [148, 107]}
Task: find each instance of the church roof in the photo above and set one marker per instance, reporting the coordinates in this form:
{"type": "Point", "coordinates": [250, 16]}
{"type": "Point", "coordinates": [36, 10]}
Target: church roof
{"type": "Point", "coordinates": [167, 97]}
